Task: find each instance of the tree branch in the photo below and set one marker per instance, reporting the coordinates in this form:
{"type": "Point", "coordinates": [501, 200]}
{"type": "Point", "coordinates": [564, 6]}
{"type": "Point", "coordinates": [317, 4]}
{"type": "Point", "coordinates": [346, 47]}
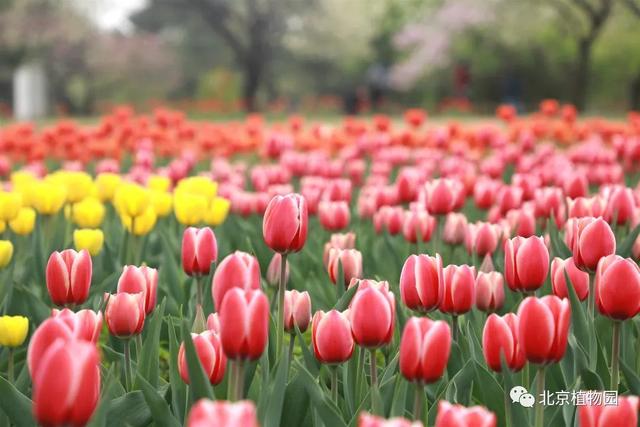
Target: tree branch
{"type": "Point", "coordinates": [217, 15]}
{"type": "Point", "coordinates": [633, 7]}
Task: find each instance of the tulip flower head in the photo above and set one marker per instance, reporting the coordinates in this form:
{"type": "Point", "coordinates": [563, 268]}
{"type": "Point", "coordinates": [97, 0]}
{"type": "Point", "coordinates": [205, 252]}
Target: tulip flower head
{"type": "Point", "coordinates": [368, 420]}
{"type": "Point", "coordinates": [297, 310]}
{"type": "Point", "coordinates": [210, 354]}
{"type": "Point", "coordinates": [624, 414]}
{"type": "Point", "coordinates": [591, 239]}
{"type": "Point", "coordinates": [579, 279]}
{"type": "Point", "coordinates": [284, 225]}
{"type": "Point", "coordinates": [458, 415]}
{"type": "Point", "coordinates": [351, 262]}
{"type": "Point", "coordinates": [13, 330]}
{"type": "Point", "coordinates": [6, 253]}
{"type": "Point", "coordinates": [24, 222]}
{"type": "Point", "coordinates": [421, 282]}
{"type": "Point", "coordinates": [543, 328]}
{"type": "Point", "coordinates": [125, 314]}
{"type": "Point", "coordinates": [617, 287]}
{"type": "Point", "coordinates": [85, 324]}
{"type": "Point", "coordinates": [219, 413]}
{"type": "Point", "coordinates": [424, 349]}
{"type": "Point", "coordinates": [244, 323]}
{"type": "Point", "coordinates": [140, 280]}
{"type": "Point", "coordinates": [458, 289]}
{"type": "Point", "coordinates": [68, 276]}
{"type": "Point", "coordinates": [526, 263]}
{"type": "Point", "coordinates": [88, 239]}
{"type": "Point", "coordinates": [372, 313]}
{"type": "Point", "coordinates": [489, 291]}
{"type": "Point", "coordinates": [237, 270]}
{"type": "Point", "coordinates": [331, 337]}
{"type": "Point", "coordinates": [199, 250]}
{"type": "Point", "coordinates": [500, 341]}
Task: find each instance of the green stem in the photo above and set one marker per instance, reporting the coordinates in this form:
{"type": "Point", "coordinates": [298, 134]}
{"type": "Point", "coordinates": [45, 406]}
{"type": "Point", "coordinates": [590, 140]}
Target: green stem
{"type": "Point", "coordinates": [199, 292]}
{"type": "Point", "coordinates": [334, 384]}
{"type": "Point", "coordinates": [507, 402]}
{"type": "Point", "coordinates": [232, 380]}
{"type": "Point", "coordinates": [127, 365]}
{"type": "Point", "coordinates": [373, 368]}
{"type": "Point", "coordinates": [454, 327]}
{"type": "Point", "coordinates": [539, 414]}
{"type": "Point", "coordinates": [592, 296]}
{"type": "Point", "coordinates": [199, 321]}
{"type": "Point", "coordinates": [615, 355]}
{"type": "Point", "coordinates": [138, 346]}
{"type": "Point", "coordinates": [281, 290]}
{"type": "Point", "coordinates": [10, 369]}
{"type": "Point", "coordinates": [240, 383]}
{"type": "Point", "coordinates": [359, 373]}
{"type": "Point", "coordinates": [417, 401]}
{"type": "Point", "coordinates": [292, 344]}
{"type": "Point", "coordinates": [525, 376]}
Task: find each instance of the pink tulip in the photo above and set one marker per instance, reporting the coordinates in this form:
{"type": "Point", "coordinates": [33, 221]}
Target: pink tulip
{"type": "Point", "coordinates": [199, 250]}
{"type": "Point", "coordinates": [244, 323]}
{"type": "Point", "coordinates": [500, 340]}
{"type": "Point", "coordinates": [334, 216]}
{"type": "Point", "coordinates": [140, 280]}
{"type": "Point", "coordinates": [372, 313]}
{"type": "Point", "coordinates": [489, 291]}
{"type": "Point", "coordinates": [421, 282]}
{"type": "Point", "coordinates": [210, 354]}
{"type": "Point", "coordinates": [220, 413]}
{"type": "Point", "coordinates": [85, 324]}
{"type": "Point", "coordinates": [237, 270]}
{"type": "Point", "coordinates": [424, 349]}
{"type": "Point", "coordinates": [367, 420]}
{"type": "Point", "coordinates": [351, 262]}
{"type": "Point", "coordinates": [526, 263]}
{"type": "Point", "coordinates": [297, 310]}
{"type": "Point", "coordinates": [459, 289]}
{"type": "Point", "coordinates": [450, 415]}
{"type": "Point", "coordinates": [331, 337]}
{"type": "Point", "coordinates": [69, 276]}
{"type": "Point", "coordinates": [579, 279]}
{"type": "Point", "coordinates": [125, 314]}
{"type": "Point", "coordinates": [285, 223]}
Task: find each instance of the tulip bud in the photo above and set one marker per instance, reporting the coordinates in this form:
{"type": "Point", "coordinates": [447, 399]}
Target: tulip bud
{"type": "Point", "coordinates": [66, 384]}
{"type": "Point", "coordinates": [91, 240]}
{"type": "Point", "coordinates": [6, 253]}
{"type": "Point", "coordinates": [213, 323]}
{"type": "Point", "coordinates": [458, 289]}
{"type": "Point", "coordinates": [455, 228]}
{"type": "Point", "coordinates": [297, 310]}
{"type": "Point", "coordinates": [622, 414]}
{"type": "Point", "coordinates": [88, 213]}
{"type": "Point", "coordinates": [367, 420]}
{"type": "Point", "coordinates": [285, 223]}
{"type": "Point", "coordinates": [440, 195]}
{"type": "Point", "coordinates": [331, 337]}
{"type": "Point", "coordinates": [273, 271]}
{"type": "Point", "coordinates": [220, 413]}
{"type": "Point", "coordinates": [617, 287]}
{"type": "Point", "coordinates": [125, 314]}
{"type": "Point", "coordinates": [372, 313]}
{"type": "Point", "coordinates": [244, 323]}
{"type": "Point", "coordinates": [424, 349]}
{"type": "Point", "coordinates": [210, 354]}
{"type": "Point", "coordinates": [590, 240]}
{"type": "Point", "coordinates": [522, 222]}
{"type": "Point", "coordinates": [334, 216]}
{"type": "Point", "coordinates": [199, 250]}
{"type": "Point", "coordinates": [85, 324]}
{"type": "Point", "coordinates": [10, 204]}
{"type": "Point", "coordinates": [579, 279]}
{"type": "Point", "coordinates": [450, 415]}
{"type": "Point", "coordinates": [620, 205]}
{"type": "Point", "coordinates": [500, 341]}
{"type": "Point", "coordinates": [13, 330]}
{"type": "Point", "coordinates": [140, 279]}
{"type": "Point", "coordinates": [351, 261]}
{"type": "Point", "coordinates": [489, 291]}
{"type": "Point", "coordinates": [68, 276]}
{"type": "Point", "coordinates": [418, 225]}
{"type": "Point", "coordinates": [482, 238]}
{"type": "Point", "coordinates": [526, 263]}
{"type": "Point", "coordinates": [543, 328]}
{"type": "Point", "coordinates": [421, 282]}
{"type": "Point", "coordinates": [237, 270]}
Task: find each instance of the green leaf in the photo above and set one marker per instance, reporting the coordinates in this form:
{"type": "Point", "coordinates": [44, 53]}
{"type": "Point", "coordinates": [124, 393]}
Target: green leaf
{"type": "Point", "coordinates": [148, 364]}
{"type": "Point", "coordinates": [624, 249]}
{"type": "Point", "coordinates": [633, 381]}
{"type": "Point", "coordinates": [99, 417]}
{"type": "Point", "coordinates": [178, 388]}
{"type": "Point", "coordinates": [579, 323]}
{"type": "Point", "coordinates": [345, 299]}
{"type": "Point", "coordinates": [159, 408]}
{"type": "Point", "coordinates": [15, 405]}
{"type": "Point", "coordinates": [129, 410]}
{"type": "Point", "coordinates": [558, 246]}
{"type": "Point", "coordinates": [309, 359]}
{"type": "Point", "coordinates": [326, 409]}
{"type": "Point", "coordinates": [591, 380]}
{"type": "Point", "coordinates": [296, 404]}
{"type": "Point", "coordinates": [399, 401]}
{"type": "Point", "coordinates": [340, 281]}
{"type": "Point", "coordinates": [200, 387]}
{"type": "Point", "coordinates": [276, 396]}
{"type": "Point", "coordinates": [489, 392]}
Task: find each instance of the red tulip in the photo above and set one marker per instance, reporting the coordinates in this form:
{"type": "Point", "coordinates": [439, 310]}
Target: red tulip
{"type": "Point", "coordinates": [509, 197]}
{"type": "Point", "coordinates": [450, 415]}
{"type": "Point", "coordinates": [334, 216]}
{"type": "Point", "coordinates": [623, 414]}
{"type": "Point", "coordinates": [586, 206]}
{"type": "Point", "coordinates": [441, 195]}
{"type": "Point", "coordinates": [297, 310]}
{"type": "Point", "coordinates": [407, 184]}
{"type": "Point", "coordinates": [424, 349]}
{"type": "Point", "coordinates": [548, 201]}
{"type": "Point", "coordinates": [373, 313]}
{"type": "Point", "coordinates": [418, 225]}
{"type": "Point", "coordinates": [455, 228]}
{"type": "Point", "coordinates": [244, 323]}
{"type": "Point", "coordinates": [85, 324]}
{"type": "Point", "coordinates": [51, 330]}
{"type": "Point", "coordinates": [459, 289]}
{"type": "Point", "coordinates": [421, 282]}
{"type": "Point", "coordinates": [522, 222]}
{"type": "Point", "coordinates": [482, 238]}
{"type": "Point", "coordinates": [351, 261]}
{"type": "Point", "coordinates": [500, 340]}
{"type": "Point", "coordinates": [220, 413]}
{"type": "Point", "coordinates": [125, 314]}
{"type": "Point", "coordinates": [331, 336]}
{"type": "Point", "coordinates": [285, 223]}
{"type": "Point", "coordinates": [69, 276]}
{"type": "Point", "coordinates": [237, 270]}
{"type": "Point", "coordinates": [543, 328]}
{"type": "Point", "coordinates": [212, 358]}
{"type": "Point", "coordinates": [389, 217]}
{"type": "Point", "coordinates": [489, 291]}
{"type": "Point", "coordinates": [579, 279]}
{"type": "Point", "coordinates": [368, 420]}
{"type": "Point", "coordinates": [617, 287]}
{"type": "Point", "coordinates": [66, 383]}
{"type": "Point", "coordinates": [143, 280]}
{"type": "Point", "coordinates": [526, 263]}
{"type": "Point", "coordinates": [590, 240]}
{"type": "Point", "coordinates": [484, 192]}
{"type": "Point", "coordinates": [273, 271]}
{"type": "Point", "coordinates": [338, 241]}
{"type": "Point", "coordinates": [199, 250]}
{"type": "Point", "coordinates": [620, 205]}
{"type": "Point", "coordinates": [213, 323]}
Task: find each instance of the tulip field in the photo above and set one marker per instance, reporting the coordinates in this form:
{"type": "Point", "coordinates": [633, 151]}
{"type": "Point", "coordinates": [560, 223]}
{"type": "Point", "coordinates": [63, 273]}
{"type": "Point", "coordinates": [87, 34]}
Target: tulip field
{"type": "Point", "coordinates": [379, 271]}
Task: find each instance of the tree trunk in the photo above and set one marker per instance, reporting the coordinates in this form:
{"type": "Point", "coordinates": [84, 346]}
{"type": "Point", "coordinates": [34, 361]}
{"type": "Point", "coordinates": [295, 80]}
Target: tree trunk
{"type": "Point", "coordinates": [251, 84]}
{"type": "Point", "coordinates": [583, 69]}
{"type": "Point", "coordinates": [635, 93]}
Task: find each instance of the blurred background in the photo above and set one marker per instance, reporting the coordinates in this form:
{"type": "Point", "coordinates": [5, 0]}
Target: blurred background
{"type": "Point", "coordinates": [219, 58]}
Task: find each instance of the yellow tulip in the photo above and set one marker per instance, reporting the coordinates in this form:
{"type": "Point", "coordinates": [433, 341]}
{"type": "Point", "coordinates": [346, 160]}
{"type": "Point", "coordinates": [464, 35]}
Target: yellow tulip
{"type": "Point", "coordinates": [6, 252]}
{"type": "Point", "coordinates": [142, 224]}
{"type": "Point", "coordinates": [10, 204]}
{"type": "Point", "coordinates": [107, 185]}
{"type": "Point", "coordinates": [217, 212]}
{"type": "Point", "coordinates": [13, 330]}
{"type": "Point", "coordinates": [189, 208]}
{"type": "Point", "coordinates": [200, 185]}
{"type": "Point", "coordinates": [21, 179]}
{"type": "Point", "coordinates": [48, 197]}
{"type": "Point", "coordinates": [159, 183]}
{"type": "Point", "coordinates": [162, 203]}
{"type": "Point", "coordinates": [88, 213]}
{"type": "Point", "coordinates": [78, 184]}
{"type": "Point", "coordinates": [24, 223]}
{"type": "Point", "coordinates": [91, 240]}
{"type": "Point", "coordinates": [131, 200]}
